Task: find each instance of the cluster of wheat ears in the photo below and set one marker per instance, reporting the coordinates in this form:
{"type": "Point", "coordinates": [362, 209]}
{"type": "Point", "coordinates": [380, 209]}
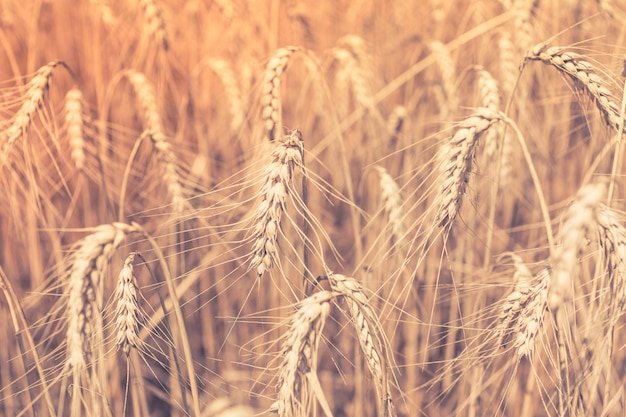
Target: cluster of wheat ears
{"type": "Point", "coordinates": [299, 208]}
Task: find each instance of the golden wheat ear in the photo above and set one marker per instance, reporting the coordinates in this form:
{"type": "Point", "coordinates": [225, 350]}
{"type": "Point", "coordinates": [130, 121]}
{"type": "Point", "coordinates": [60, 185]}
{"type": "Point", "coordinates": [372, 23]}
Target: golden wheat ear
{"type": "Point", "coordinates": [612, 238]}
{"type": "Point", "coordinates": [457, 159]}
{"type": "Point", "coordinates": [31, 102]}
{"type": "Point", "coordinates": [163, 149]}
{"type": "Point", "coordinates": [299, 353]}
{"type": "Point", "coordinates": [580, 219]}
{"type": "Point", "coordinates": [154, 23]}
{"type": "Point", "coordinates": [370, 335]}
{"type": "Point", "coordinates": [87, 263]}
{"type": "Point", "coordinates": [584, 75]}
{"type": "Point", "coordinates": [270, 90]}
{"type": "Point", "coordinates": [74, 125]}
{"type": "Point", "coordinates": [392, 200]}
{"type": "Point", "coordinates": [278, 176]}
{"type": "Point", "coordinates": [127, 309]}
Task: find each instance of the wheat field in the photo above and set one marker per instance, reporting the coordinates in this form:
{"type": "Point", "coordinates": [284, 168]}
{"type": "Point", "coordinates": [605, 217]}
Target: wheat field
{"type": "Point", "coordinates": [383, 208]}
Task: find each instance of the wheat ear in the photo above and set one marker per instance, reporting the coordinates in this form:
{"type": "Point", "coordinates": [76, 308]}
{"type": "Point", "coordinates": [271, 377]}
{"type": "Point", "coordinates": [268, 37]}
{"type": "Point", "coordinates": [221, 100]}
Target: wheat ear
{"type": "Point", "coordinates": [580, 217]}
{"type": "Point", "coordinates": [357, 47]}
{"type": "Point", "coordinates": [583, 74]}
{"type": "Point", "coordinates": [278, 177]}
{"type": "Point", "coordinates": [514, 302]}
{"type": "Point", "coordinates": [299, 354]}
{"type": "Point", "coordinates": [227, 7]}
{"type": "Point", "coordinates": [104, 11]}
{"type": "Point", "coordinates": [392, 199]}
{"type": "Point", "coordinates": [369, 334]}
{"type": "Point", "coordinates": [351, 73]}
{"type": "Point", "coordinates": [396, 122]}
{"type": "Point", "coordinates": [270, 99]}
{"type": "Point", "coordinates": [74, 126]}
{"type": "Point", "coordinates": [613, 241]}
{"type": "Point", "coordinates": [523, 310]}
{"type": "Point", "coordinates": [509, 70]}
{"type": "Point", "coordinates": [33, 99]}
{"type": "Point", "coordinates": [127, 308]}
{"type": "Point", "coordinates": [87, 264]}
{"type": "Point", "coordinates": [523, 15]}
{"type": "Point", "coordinates": [154, 127]}
{"type": "Point", "coordinates": [456, 162]}
{"type": "Point", "coordinates": [489, 96]}
{"type": "Point", "coordinates": [528, 311]}
{"type": "Point", "coordinates": [225, 73]}
{"type": "Point", "coordinates": [447, 68]}
{"type": "Point", "coordinates": [153, 22]}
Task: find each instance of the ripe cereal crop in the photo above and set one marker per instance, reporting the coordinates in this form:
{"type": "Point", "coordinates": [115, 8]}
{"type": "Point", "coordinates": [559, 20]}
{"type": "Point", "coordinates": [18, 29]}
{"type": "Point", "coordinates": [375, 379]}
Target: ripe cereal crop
{"type": "Point", "coordinates": [297, 208]}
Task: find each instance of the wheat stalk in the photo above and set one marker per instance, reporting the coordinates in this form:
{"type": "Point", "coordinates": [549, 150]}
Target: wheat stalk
{"type": "Point", "coordinates": [278, 177]}
{"type": "Point", "coordinates": [270, 99]}
{"type": "Point", "coordinates": [457, 159]}
{"type": "Point", "coordinates": [488, 90]}
{"type": "Point", "coordinates": [489, 93]}
{"type": "Point", "coordinates": [87, 262]}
